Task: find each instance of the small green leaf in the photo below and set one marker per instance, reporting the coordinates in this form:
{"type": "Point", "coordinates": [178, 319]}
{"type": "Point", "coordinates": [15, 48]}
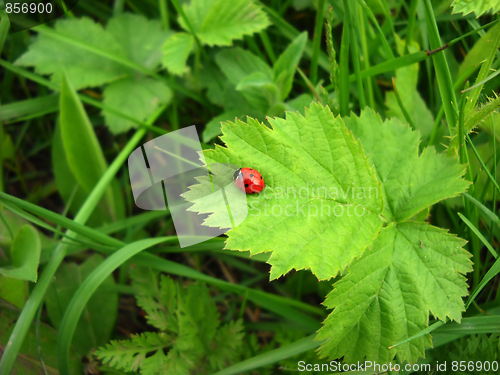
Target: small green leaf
{"type": "Point", "coordinates": [84, 69]}
{"type": "Point", "coordinates": [285, 67]}
{"type": "Point", "coordinates": [477, 6]}
{"type": "Point", "coordinates": [258, 91]}
{"type": "Point", "coordinates": [136, 97]}
{"type": "Point", "coordinates": [82, 150]}
{"type": "Point", "coordinates": [14, 291]}
{"type": "Point", "coordinates": [219, 22]}
{"type": "Point", "coordinates": [25, 254]}
{"type": "Point", "coordinates": [237, 64]}
{"type": "Point", "coordinates": [176, 51]}
{"type": "Point", "coordinates": [97, 322]}
{"type": "Point", "coordinates": [140, 38]}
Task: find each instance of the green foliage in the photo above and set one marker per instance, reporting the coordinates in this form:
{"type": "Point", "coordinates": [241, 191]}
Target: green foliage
{"type": "Point", "coordinates": [78, 157]}
{"type": "Point", "coordinates": [25, 255]}
{"type": "Point", "coordinates": [478, 349]}
{"type": "Point", "coordinates": [479, 7]}
{"type": "Point", "coordinates": [407, 270]}
{"type": "Point", "coordinates": [29, 361]}
{"type": "Point", "coordinates": [253, 87]}
{"type": "Point", "coordinates": [128, 37]}
{"type": "Point", "coordinates": [322, 169]}
{"type": "Point", "coordinates": [215, 23]}
{"type": "Point", "coordinates": [406, 84]}
{"type": "Point", "coordinates": [360, 200]}
{"type": "Point", "coordinates": [97, 322]}
{"type": "Point", "coordinates": [51, 57]}
{"type": "Point", "coordinates": [190, 339]}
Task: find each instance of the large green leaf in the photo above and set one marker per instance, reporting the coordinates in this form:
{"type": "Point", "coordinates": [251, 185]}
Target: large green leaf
{"type": "Point", "coordinates": [84, 69]}
{"type": "Point", "coordinates": [412, 269]}
{"type": "Point", "coordinates": [97, 322]}
{"type": "Point", "coordinates": [82, 150]}
{"type": "Point", "coordinates": [316, 176]}
{"type": "Point", "coordinates": [137, 97]}
{"type": "Point", "coordinates": [25, 255]}
{"type": "Point", "coordinates": [477, 6]}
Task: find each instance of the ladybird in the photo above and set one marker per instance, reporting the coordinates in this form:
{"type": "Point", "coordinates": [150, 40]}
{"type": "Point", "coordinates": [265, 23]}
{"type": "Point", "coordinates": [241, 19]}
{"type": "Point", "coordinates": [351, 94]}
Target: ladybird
{"type": "Point", "coordinates": [248, 180]}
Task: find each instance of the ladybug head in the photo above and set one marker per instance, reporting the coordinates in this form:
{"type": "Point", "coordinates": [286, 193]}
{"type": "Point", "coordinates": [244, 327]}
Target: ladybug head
{"type": "Point", "coordinates": [237, 174]}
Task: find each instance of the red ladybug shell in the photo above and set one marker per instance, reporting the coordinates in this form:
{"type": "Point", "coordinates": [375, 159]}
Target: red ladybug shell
{"type": "Point", "coordinates": [248, 180]}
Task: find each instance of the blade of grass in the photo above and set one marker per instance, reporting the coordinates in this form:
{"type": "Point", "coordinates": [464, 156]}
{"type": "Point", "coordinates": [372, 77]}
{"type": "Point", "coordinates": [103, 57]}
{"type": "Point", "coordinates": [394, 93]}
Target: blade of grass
{"type": "Point", "coordinates": [479, 235]}
{"type": "Point", "coordinates": [443, 75]}
{"type": "Point", "coordinates": [43, 224]}
{"type": "Point", "coordinates": [163, 5]}
{"type": "Point", "coordinates": [493, 181]}
{"type": "Point", "coordinates": [355, 54]}
{"type": "Point", "coordinates": [344, 89]}
{"type": "Point", "coordinates": [371, 16]}
{"type": "Point", "coordinates": [36, 106]}
{"type": "Point", "coordinates": [412, 15]}
{"type": "Point", "coordinates": [486, 213]}
{"type": "Point", "coordinates": [171, 267]}
{"type": "Point", "coordinates": [485, 69]}
{"type": "Point", "coordinates": [423, 332]}
{"type": "Point", "coordinates": [363, 21]}
{"type": "Point", "coordinates": [87, 288]}
{"type": "Point", "coordinates": [271, 302]}
{"type": "Point", "coordinates": [440, 114]}
{"type": "Point", "coordinates": [492, 272]}
{"type": "Point", "coordinates": [291, 33]}
{"type": "Point", "coordinates": [272, 356]}
{"type": "Point", "coordinates": [4, 29]}
{"type": "Point", "coordinates": [469, 208]}
{"type": "Point", "coordinates": [318, 29]}
{"type": "Point", "coordinates": [84, 98]}
{"type": "Point", "coordinates": [268, 46]}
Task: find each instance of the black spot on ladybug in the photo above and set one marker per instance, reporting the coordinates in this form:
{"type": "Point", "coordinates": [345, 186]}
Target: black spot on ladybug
{"type": "Point", "coordinates": [261, 178]}
{"type": "Point", "coordinates": [253, 192]}
{"type": "Point", "coordinates": [251, 175]}
{"type": "Point", "coordinates": [246, 185]}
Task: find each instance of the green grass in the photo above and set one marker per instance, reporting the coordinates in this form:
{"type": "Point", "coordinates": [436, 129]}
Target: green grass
{"type": "Point", "coordinates": [73, 190]}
